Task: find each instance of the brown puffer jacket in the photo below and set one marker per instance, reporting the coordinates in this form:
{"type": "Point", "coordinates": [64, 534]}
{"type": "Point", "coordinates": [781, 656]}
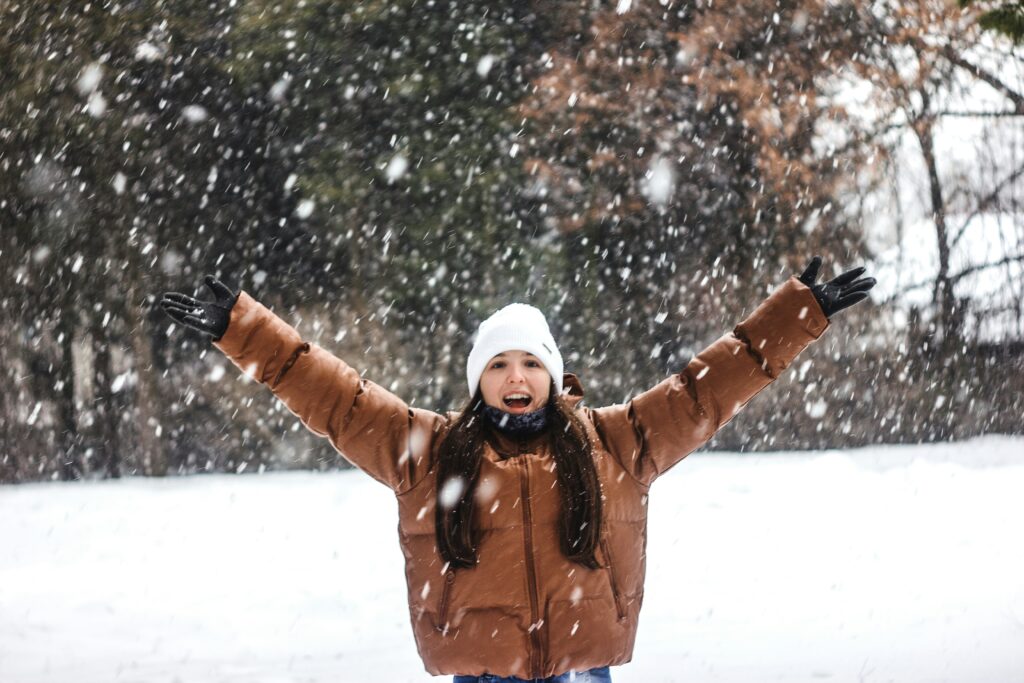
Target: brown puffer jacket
{"type": "Point", "coordinates": [525, 610]}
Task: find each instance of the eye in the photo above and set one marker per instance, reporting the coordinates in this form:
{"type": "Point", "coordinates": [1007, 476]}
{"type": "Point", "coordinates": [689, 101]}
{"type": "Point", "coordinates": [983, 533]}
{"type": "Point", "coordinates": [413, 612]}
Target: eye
{"type": "Point", "coordinates": [533, 364]}
{"type": "Point", "coordinates": [497, 364]}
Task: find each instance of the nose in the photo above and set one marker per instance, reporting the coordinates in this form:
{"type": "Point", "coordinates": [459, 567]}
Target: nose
{"type": "Point", "coordinates": [515, 374]}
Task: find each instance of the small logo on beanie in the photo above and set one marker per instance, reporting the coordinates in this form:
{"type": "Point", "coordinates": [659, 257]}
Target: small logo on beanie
{"type": "Point", "coordinates": [546, 347]}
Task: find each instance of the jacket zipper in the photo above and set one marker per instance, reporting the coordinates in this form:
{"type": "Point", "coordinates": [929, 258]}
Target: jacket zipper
{"type": "Point", "coordinates": [619, 607]}
{"type": "Point", "coordinates": [531, 575]}
{"type": "Point", "coordinates": [442, 608]}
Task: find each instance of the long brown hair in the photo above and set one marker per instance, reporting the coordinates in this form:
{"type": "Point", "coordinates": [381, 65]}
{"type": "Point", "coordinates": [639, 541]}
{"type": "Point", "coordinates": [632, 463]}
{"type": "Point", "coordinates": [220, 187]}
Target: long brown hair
{"type": "Point", "coordinates": [458, 471]}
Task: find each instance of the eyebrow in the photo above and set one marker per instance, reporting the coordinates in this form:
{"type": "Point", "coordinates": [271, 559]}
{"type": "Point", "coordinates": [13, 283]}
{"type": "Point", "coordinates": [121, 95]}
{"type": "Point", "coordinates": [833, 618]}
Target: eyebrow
{"type": "Point", "coordinates": [502, 354]}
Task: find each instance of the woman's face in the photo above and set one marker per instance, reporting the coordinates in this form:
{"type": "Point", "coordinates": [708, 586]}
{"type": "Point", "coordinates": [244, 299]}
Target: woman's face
{"type": "Point", "coordinates": [516, 382]}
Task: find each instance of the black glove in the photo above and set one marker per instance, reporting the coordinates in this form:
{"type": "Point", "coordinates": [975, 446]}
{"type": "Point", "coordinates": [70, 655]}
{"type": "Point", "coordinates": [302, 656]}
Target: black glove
{"type": "Point", "coordinates": [839, 293]}
{"type": "Point", "coordinates": [211, 317]}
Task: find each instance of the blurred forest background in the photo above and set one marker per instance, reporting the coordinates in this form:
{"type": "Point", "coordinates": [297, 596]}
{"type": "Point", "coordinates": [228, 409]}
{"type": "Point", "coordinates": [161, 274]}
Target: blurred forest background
{"type": "Point", "coordinates": [384, 175]}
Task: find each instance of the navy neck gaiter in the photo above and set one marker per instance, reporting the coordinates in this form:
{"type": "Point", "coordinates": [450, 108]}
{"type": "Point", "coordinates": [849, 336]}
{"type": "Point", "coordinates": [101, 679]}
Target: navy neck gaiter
{"type": "Point", "coordinates": [517, 425]}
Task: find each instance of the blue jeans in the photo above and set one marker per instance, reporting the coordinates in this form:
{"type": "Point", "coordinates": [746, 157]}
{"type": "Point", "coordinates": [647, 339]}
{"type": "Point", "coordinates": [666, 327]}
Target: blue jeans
{"type": "Point", "coordinates": [598, 675]}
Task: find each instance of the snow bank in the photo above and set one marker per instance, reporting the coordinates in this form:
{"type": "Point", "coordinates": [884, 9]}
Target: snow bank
{"type": "Point", "coordinates": [893, 563]}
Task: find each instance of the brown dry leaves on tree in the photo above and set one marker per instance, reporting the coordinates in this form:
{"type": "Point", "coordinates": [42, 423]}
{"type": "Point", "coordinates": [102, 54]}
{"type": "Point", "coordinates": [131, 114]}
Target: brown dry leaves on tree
{"type": "Point", "coordinates": [736, 97]}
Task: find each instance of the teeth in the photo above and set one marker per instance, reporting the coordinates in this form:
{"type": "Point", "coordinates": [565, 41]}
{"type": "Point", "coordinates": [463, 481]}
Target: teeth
{"type": "Point", "coordinates": [513, 396]}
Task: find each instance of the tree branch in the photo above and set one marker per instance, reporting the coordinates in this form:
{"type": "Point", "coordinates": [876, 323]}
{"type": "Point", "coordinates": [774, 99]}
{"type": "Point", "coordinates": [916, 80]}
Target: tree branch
{"type": "Point", "coordinates": [955, 58]}
{"type": "Point", "coordinates": [981, 114]}
{"type": "Point", "coordinates": [869, 137]}
{"type": "Point", "coordinates": [930, 282]}
{"type": "Point", "coordinates": [986, 202]}
{"type": "Point", "coordinates": [974, 269]}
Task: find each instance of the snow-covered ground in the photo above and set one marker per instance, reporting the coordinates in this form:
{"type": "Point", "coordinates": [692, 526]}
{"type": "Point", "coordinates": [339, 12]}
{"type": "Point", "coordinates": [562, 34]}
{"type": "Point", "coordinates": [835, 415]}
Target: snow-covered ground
{"type": "Point", "coordinates": [882, 564]}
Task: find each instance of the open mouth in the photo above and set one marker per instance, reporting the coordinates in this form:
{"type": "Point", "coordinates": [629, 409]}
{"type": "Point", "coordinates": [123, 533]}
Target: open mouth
{"type": "Point", "coordinates": [517, 400]}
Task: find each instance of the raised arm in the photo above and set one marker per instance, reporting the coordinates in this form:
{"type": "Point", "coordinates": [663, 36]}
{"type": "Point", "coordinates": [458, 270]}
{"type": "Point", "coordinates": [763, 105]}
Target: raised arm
{"type": "Point", "coordinates": [661, 426]}
{"type": "Point", "coordinates": [371, 427]}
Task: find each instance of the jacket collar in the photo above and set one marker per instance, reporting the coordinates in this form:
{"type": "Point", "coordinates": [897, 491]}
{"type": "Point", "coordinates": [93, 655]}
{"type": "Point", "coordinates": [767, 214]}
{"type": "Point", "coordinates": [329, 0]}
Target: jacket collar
{"type": "Point", "coordinates": [572, 389]}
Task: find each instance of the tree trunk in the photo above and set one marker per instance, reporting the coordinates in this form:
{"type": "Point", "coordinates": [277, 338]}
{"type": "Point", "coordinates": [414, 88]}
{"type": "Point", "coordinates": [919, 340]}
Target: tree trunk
{"type": "Point", "coordinates": [147, 406]}
{"type": "Point", "coordinates": [106, 406]}
{"type": "Point", "coordinates": [943, 292]}
{"type": "Point", "coordinates": [945, 374]}
{"type": "Point", "coordinates": [64, 396]}
{"type": "Point", "coordinates": [10, 428]}
{"type": "Point", "coordinates": [580, 284]}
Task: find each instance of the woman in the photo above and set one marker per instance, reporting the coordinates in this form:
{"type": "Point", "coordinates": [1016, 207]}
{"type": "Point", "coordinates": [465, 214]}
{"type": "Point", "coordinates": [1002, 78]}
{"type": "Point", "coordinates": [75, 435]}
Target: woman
{"type": "Point", "coordinates": [523, 516]}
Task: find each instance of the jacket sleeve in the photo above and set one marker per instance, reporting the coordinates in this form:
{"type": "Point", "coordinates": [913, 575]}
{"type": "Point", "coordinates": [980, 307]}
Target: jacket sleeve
{"type": "Point", "coordinates": [368, 425]}
{"type": "Point", "coordinates": [660, 427]}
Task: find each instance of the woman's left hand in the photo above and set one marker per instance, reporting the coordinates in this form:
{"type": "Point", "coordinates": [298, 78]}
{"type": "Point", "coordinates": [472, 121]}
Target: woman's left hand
{"type": "Point", "coordinates": [211, 317]}
{"type": "Point", "coordinates": [838, 293]}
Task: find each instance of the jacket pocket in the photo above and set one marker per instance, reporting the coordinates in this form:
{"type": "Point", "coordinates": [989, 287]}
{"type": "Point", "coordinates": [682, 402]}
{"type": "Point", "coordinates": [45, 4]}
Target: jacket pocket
{"type": "Point", "coordinates": [442, 605]}
{"type": "Point", "coordinates": [620, 607]}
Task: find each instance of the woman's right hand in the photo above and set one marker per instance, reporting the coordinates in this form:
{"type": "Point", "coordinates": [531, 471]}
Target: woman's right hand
{"type": "Point", "coordinates": [209, 317]}
{"type": "Point", "coordinates": [838, 293]}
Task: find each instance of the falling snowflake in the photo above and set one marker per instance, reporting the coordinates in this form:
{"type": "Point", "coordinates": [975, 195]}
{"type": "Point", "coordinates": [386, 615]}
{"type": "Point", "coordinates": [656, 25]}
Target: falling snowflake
{"type": "Point", "coordinates": [483, 67]}
{"type": "Point", "coordinates": [659, 181]}
{"type": "Point", "coordinates": [305, 208]}
{"type": "Point", "coordinates": [451, 492]}
{"type": "Point", "coordinates": [396, 168]}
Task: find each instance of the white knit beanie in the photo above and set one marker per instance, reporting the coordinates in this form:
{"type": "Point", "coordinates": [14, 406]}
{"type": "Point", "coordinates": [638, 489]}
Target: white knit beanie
{"type": "Point", "coordinates": [517, 327]}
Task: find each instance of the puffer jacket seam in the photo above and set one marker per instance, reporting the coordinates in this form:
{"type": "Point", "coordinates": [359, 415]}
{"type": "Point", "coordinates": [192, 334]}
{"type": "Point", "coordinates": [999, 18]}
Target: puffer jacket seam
{"type": "Point", "coordinates": [707, 407]}
{"type": "Point", "coordinates": [410, 464]}
{"type": "Point", "coordinates": [756, 354]}
{"type": "Point", "coordinates": [334, 434]}
{"type": "Point", "coordinates": [604, 445]}
{"type": "Point", "coordinates": [432, 462]}
{"type": "Point", "coordinates": [303, 348]}
{"type": "Point", "coordinates": [644, 455]}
